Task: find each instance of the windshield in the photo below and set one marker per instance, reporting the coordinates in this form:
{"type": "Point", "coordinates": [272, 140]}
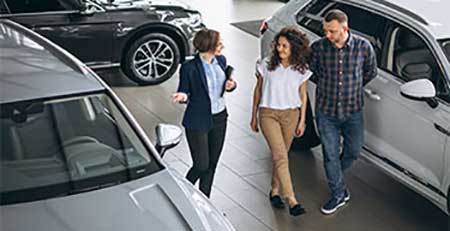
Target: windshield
{"type": "Point", "coordinates": [446, 46]}
{"type": "Point", "coordinates": [66, 146]}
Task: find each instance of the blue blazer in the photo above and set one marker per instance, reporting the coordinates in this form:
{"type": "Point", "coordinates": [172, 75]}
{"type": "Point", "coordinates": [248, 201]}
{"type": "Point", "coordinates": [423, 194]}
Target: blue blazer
{"type": "Point", "coordinates": [193, 82]}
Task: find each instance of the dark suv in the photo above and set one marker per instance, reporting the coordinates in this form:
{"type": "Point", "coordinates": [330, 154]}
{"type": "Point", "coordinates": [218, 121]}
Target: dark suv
{"type": "Point", "coordinates": [147, 39]}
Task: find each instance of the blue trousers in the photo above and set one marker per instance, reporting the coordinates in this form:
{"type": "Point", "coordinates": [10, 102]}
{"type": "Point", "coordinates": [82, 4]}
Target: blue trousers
{"type": "Point", "coordinates": [331, 129]}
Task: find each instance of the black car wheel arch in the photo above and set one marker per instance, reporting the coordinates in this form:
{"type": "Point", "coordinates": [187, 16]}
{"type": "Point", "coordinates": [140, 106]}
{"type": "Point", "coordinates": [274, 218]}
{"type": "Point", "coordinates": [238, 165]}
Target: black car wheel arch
{"type": "Point", "coordinates": [137, 58]}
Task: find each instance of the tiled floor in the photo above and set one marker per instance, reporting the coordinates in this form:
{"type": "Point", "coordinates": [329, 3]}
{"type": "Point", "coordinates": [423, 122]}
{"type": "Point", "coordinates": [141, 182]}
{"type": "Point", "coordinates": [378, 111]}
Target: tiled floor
{"type": "Point", "coordinates": [243, 175]}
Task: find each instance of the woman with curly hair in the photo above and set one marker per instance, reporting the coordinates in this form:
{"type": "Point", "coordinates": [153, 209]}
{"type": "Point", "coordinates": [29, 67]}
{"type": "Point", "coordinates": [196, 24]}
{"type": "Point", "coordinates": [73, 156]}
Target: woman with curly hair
{"type": "Point", "coordinates": [280, 100]}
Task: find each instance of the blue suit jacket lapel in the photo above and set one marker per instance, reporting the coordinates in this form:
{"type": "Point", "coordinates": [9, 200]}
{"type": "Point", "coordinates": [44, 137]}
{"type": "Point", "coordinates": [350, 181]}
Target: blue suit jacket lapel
{"type": "Point", "coordinates": [199, 66]}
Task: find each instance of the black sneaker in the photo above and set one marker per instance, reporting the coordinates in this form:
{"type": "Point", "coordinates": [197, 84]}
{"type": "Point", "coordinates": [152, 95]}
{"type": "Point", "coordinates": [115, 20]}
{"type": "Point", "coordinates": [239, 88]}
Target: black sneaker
{"type": "Point", "coordinates": [332, 205]}
{"type": "Point", "coordinates": [346, 195]}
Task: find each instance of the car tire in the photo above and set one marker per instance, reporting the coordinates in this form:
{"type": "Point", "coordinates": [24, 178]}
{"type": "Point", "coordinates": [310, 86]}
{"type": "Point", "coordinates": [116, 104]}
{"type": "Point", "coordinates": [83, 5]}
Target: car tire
{"type": "Point", "coordinates": [310, 139]}
{"type": "Point", "coordinates": [151, 59]}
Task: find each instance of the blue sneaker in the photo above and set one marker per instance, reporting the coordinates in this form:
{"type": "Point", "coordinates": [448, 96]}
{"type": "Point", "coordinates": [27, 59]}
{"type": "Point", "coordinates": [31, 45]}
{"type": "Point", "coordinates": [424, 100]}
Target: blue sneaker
{"type": "Point", "coordinates": [332, 205]}
{"type": "Point", "coordinates": [346, 195]}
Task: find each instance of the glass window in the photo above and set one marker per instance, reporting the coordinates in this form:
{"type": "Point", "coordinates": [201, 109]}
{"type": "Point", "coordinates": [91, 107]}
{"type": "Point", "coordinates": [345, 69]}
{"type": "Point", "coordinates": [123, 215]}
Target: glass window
{"type": "Point", "coordinates": [61, 147]}
{"type": "Point", "coordinates": [445, 43]}
{"type": "Point", "coordinates": [33, 6]}
{"type": "Point", "coordinates": [410, 58]}
{"type": "Point", "coordinates": [3, 8]}
{"type": "Point", "coordinates": [315, 7]}
{"type": "Point", "coordinates": [366, 24]}
{"type": "Point", "coordinates": [310, 16]}
{"type": "Point", "coordinates": [361, 22]}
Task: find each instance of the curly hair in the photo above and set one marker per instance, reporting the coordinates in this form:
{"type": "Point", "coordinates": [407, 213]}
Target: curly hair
{"type": "Point", "coordinates": [300, 50]}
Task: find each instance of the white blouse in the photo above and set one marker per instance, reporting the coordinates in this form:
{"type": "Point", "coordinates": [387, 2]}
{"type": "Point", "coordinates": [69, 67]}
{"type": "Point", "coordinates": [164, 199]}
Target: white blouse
{"type": "Point", "coordinates": [280, 87]}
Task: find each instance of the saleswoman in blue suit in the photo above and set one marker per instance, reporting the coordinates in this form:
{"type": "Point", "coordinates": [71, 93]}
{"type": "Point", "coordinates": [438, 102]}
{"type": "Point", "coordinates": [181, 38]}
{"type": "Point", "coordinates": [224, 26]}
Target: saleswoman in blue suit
{"type": "Point", "coordinates": [202, 84]}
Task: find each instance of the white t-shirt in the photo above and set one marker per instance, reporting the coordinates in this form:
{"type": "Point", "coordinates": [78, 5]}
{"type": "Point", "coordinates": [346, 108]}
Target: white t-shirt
{"type": "Point", "coordinates": [280, 87]}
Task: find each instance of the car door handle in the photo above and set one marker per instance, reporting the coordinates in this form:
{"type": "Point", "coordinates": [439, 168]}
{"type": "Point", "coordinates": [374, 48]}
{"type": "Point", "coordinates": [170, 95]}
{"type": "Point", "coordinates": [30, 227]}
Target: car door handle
{"type": "Point", "coordinates": [441, 129]}
{"type": "Point", "coordinates": [372, 95]}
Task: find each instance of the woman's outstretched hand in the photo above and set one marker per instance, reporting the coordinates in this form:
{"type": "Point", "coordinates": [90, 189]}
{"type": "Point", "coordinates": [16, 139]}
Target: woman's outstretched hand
{"type": "Point", "coordinates": [179, 97]}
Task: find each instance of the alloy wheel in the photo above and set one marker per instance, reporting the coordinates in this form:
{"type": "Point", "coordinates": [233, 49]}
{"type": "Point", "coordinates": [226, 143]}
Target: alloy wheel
{"type": "Point", "coordinates": [153, 59]}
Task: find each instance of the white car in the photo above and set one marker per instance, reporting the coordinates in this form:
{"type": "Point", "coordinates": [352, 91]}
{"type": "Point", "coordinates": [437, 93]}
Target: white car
{"type": "Point", "coordinates": [407, 107]}
{"type": "Point", "coordinates": [73, 158]}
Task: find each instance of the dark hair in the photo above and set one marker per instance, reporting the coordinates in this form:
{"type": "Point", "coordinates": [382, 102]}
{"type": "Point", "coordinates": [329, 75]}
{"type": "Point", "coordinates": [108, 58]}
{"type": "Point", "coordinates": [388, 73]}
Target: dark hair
{"type": "Point", "coordinates": [206, 40]}
{"type": "Point", "coordinates": [300, 50]}
{"type": "Point", "coordinates": [336, 14]}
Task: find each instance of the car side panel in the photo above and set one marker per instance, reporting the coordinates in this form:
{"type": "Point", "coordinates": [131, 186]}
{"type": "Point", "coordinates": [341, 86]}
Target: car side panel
{"type": "Point", "coordinates": [134, 23]}
{"type": "Point", "coordinates": [88, 37]}
{"type": "Point", "coordinates": [403, 131]}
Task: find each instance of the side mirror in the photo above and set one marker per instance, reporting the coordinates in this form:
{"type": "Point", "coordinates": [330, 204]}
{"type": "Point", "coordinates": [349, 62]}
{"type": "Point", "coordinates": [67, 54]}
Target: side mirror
{"type": "Point", "coordinates": [167, 137]}
{"type": "Point", "coordinates": [420, 89]}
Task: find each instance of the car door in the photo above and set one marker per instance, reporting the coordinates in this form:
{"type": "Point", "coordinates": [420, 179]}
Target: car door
{"type": "Point", "coordinates": [87, 35]}
{"type": "Point", "coordinates": [409, 133]}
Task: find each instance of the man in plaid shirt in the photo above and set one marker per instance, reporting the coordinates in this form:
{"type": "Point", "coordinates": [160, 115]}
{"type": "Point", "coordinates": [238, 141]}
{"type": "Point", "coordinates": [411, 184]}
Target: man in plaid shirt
{"type": "Point", "coordinates": [342, 64]}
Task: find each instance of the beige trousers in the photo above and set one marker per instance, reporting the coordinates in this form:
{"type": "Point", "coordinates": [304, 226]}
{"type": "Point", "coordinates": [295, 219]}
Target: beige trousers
{"type": "Point", "coordinates": [278, 127]}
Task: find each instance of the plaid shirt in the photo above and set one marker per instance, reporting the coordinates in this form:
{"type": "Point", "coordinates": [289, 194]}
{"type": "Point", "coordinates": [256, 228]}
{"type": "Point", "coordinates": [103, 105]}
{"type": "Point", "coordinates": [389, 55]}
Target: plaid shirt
{"type": "Point", "coordinates": [341, 75]}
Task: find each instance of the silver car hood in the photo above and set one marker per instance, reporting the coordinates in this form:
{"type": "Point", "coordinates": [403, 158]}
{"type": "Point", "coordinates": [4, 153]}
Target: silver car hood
{"type": "Point", "coordinates": [156, 202]}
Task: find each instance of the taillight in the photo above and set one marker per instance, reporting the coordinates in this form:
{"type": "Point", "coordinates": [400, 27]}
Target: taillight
{"type": "Point", "coordinates": [264, 27]}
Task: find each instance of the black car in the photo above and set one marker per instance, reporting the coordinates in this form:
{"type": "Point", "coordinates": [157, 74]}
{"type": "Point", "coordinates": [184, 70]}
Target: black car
{"type": "Point", "coordinates": [147, 39]}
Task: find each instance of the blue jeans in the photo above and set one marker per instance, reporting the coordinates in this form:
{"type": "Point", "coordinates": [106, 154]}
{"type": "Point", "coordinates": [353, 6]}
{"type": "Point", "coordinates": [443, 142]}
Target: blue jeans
{"type": "Point", "coordinates": [331, 129]}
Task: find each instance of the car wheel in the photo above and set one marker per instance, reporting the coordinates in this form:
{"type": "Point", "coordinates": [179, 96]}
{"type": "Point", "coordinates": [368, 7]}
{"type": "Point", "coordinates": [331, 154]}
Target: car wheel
{"type": "Point", "coordinates": [310, 138]}
{"type": "Point", "coordinates": [151, 59]}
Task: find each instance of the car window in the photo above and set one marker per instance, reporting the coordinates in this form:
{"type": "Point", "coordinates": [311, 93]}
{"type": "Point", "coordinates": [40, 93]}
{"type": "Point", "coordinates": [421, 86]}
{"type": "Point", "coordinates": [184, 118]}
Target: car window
{"type": "Point", "coordinates": [66, 146]}
{"type": "Point", "coordinates": [3, 8]}
{"type": "Point", "coordinates": [366, 24]}
{"type": "Point", "coordinates": [361, 22]}
{"type": "Point", "coordinates": [310, 16]}
{"type": "Point", "coordinates": [34, 6]}
{"type": "Point", "coordinates": [410, 58]}
{"type": "Point", "coordinates": [446, 46]}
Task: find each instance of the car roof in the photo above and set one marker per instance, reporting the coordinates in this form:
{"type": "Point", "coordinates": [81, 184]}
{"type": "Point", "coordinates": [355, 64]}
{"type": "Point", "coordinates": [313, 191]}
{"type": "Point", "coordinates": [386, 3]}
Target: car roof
{"type": "Point", "coordinates": [34, 68]}
{"type": "Point", "coordinates": [434, 12]}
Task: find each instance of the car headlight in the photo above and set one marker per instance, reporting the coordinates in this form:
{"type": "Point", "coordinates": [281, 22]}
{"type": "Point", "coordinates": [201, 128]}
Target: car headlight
{"type": "Point", "coordinates": [195, 19]}
{"type": "Point", "coordinates": [211, 218]}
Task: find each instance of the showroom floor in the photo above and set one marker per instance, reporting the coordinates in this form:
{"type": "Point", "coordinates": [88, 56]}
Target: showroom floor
{"type": "Point", "coordinates": [243, 177]}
